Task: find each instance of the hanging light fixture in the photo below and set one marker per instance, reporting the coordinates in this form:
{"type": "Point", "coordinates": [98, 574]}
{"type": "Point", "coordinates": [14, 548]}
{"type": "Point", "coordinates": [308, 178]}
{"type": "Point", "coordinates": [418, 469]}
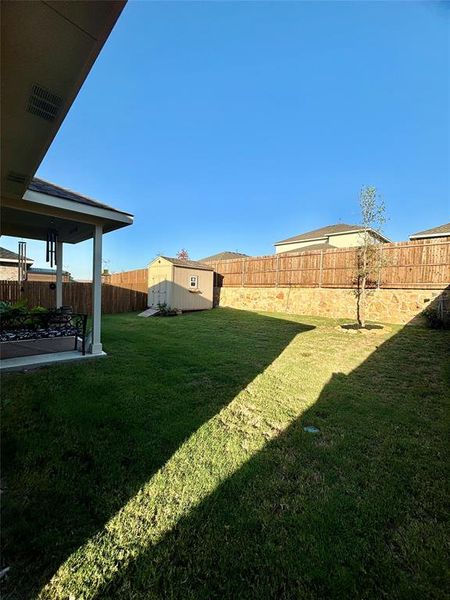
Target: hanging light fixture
{"type": "Point", "coordinates": [50, 252]}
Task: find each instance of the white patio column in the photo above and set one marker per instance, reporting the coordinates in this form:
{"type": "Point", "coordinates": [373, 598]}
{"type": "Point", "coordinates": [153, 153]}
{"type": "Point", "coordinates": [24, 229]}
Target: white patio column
{"type": "Point", "coordinates": [59, 270]}
{"type": "Point", "coordinates": [96, 346]}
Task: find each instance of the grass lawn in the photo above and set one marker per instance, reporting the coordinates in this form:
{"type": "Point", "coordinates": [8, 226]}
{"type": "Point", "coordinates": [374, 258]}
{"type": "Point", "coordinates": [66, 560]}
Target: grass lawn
{"type": "Point", "coordinates": [178, 467]}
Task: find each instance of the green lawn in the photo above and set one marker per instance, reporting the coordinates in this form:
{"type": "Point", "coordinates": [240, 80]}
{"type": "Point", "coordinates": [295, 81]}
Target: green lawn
{"type": "Point", "coordinates": [178, 467]}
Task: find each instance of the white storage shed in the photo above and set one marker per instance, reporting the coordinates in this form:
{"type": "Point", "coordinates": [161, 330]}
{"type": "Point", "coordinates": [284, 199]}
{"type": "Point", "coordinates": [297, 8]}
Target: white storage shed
{"type": "Point", "coordinates": [182, 284]}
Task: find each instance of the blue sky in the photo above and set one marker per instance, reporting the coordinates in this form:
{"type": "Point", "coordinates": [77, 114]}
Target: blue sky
{"type": "Point", "coordinates": [231, 125]}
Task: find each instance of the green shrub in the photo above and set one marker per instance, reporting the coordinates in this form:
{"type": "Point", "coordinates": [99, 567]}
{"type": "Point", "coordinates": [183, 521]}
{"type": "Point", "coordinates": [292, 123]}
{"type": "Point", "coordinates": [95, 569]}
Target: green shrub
{"type": "Point", "coordinates": [165, 310]}
{"type": "Point", "coordinates": [434, 318]}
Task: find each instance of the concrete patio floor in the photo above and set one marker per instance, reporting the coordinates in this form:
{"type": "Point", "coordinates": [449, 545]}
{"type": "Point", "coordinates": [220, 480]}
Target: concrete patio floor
{"type": "Point", "coordinates": [32, 354]}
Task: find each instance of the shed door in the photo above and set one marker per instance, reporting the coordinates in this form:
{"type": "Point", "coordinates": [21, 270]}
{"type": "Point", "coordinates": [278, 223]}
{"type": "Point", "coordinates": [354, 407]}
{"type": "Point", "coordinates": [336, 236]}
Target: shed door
{"type": "Point", "coordinates": [157, 293]}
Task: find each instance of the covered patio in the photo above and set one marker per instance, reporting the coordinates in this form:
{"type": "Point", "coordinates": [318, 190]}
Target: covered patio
{"type": "Point", "coordinates": [71, 218]}
{"type": "Point", "coordinates": [48, 49]}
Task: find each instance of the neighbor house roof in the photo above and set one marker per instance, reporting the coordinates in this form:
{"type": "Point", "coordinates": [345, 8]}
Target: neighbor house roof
{"type": "Point", "coordinates": [45, 187]}
{"type": "Point", "coordinates": [226, 255]}
{"type": "Point", "coordinates": [321, 246]}
{"type": "Point", "coordinates": [439, 231]}
{"type": "Point", "coordinates": [329, 230]}
{"type": "Point", "coordinates": [10, 256]}
{"type": "Point", "coordinates": [189, 264]}
{"type": "Point", "coordinates": [40, 271]}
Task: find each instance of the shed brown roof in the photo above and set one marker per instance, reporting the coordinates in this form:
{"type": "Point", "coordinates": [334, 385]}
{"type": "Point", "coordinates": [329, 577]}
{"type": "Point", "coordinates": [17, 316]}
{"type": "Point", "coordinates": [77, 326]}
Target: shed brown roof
{"type": "Point", "coordinates": [440, 230]}
{"type": "Point", "coordinates": [189, 264]}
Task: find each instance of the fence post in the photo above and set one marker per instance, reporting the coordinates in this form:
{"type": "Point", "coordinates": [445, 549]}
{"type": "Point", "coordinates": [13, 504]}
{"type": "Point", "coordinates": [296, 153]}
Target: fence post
{"type": "Point", "coordinates": [277, 270]}
{"type": "Point", "coordinates": [379, 267]}
{"type": "Point", "coordinates": [243, 273]}
{"type": "Point", "coordinates": [321, 268]}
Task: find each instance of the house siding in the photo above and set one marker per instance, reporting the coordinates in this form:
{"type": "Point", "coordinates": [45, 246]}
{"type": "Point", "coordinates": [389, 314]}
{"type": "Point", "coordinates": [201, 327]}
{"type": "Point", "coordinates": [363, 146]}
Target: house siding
{"type": "Point", "coordinates": [8, 272]}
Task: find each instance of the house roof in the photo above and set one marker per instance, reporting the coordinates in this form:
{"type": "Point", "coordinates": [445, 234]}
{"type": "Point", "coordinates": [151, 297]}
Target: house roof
{"type": "Point", "coordinates": [439, 231]}
{"type": "Point", "coordinates": [226, 255]}
{"type": "Point", "coordinates": [45, 187]}
{"type": "Point", "coordinates": [11, 256]}
{"type": "Point", "coordinates": [323, 232]}
{"type": "Point", "coordinates": [40, 271]}
{"type": "Point", "coordinates": [189, 264]}
{"type": "Point", "coordinates": [321, 246]}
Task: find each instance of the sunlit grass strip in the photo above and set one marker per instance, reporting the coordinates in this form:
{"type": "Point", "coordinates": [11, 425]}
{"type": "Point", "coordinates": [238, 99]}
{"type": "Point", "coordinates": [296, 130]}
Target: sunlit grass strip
{"type": "Point", "coordinates": [211, 455]}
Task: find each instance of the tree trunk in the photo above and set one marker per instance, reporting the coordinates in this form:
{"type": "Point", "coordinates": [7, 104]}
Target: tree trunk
{"type": "Point", "coordinates": [362, 282]}
{"type": "Point", "coordinates": [362, 307]}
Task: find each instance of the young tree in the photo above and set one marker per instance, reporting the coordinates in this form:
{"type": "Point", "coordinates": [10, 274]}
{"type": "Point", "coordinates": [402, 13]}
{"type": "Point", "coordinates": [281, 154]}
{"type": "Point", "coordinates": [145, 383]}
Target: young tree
{"type": "Point", "coordinates": [369, 253]}
{"type": "Point", "coordinates": [183, 254]}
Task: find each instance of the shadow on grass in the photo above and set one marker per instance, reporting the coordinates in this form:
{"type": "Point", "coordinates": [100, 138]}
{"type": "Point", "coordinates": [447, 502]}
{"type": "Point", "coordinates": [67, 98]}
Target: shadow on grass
{"type": "Point", "coordinates": [79, 441]}
{"type": "Point", "coordinates": [355, 511]}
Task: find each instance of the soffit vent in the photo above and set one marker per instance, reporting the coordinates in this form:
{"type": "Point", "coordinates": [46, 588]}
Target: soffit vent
{"type": "Point", "coordinates": [16, 177]}
{"type": "Point", "coordinates": [43, 103]}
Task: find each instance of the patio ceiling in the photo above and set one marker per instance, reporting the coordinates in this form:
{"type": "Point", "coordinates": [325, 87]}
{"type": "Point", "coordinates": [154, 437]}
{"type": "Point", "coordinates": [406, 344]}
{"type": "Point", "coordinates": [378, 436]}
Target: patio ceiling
{"type": "Point", "coordinates": [48, 49]}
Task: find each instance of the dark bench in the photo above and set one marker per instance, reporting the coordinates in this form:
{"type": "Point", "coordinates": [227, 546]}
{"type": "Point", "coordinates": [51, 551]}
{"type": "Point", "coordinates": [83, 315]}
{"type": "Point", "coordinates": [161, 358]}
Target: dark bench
{"type": "Point", "coordinates": [21, 326]}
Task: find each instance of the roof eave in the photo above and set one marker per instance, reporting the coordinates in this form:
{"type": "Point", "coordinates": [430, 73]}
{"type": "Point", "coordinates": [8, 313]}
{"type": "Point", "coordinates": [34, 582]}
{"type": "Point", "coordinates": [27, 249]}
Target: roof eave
{"type": "Point", "coordinates": [418, 236]}
{"type": "Point", "coordinates": [29, 261]}
{"type": "Point", "coordinates": [109, 214]}
{"type": "Point", "coordinates": [325, 237]}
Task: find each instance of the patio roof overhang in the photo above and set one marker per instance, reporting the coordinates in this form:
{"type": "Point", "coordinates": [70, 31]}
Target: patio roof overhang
{"type": "Point", "coordinates": [36, 213]}
{"type": "Point", "coordinates": [48, 49]}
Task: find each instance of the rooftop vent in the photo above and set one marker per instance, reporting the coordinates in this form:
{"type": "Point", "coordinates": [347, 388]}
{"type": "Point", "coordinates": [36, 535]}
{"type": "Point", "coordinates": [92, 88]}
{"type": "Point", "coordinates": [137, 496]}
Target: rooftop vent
{"type": "Point", "coordinates": [43, 103]}
{"type": "Point", "coordinates": [16, 177]}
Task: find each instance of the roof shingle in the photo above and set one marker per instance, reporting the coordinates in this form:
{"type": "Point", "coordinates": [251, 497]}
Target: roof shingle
{"type": "Point", "coordinates": [6, 254]}
{"type": "Point", "coordinates": [440, 230]}
{"type": "Point", "coordinates": [189, 264]}
{"type": "Point", "coordinates": [324, 232]}
{"type": "Point", "coordinates": [45, 187]}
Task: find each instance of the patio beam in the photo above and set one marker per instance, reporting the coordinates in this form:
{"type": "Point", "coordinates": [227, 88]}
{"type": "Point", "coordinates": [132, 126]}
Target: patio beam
{"type": "Point", "coordinates": [96, 345]}
{"type": "Point", "coordinates": [59, 272]}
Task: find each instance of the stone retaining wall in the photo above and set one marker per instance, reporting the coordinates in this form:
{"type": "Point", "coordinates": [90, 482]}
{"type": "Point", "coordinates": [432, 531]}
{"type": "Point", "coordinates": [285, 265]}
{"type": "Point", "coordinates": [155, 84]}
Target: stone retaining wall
{"type": "Point", "coordinates": [384, 305]}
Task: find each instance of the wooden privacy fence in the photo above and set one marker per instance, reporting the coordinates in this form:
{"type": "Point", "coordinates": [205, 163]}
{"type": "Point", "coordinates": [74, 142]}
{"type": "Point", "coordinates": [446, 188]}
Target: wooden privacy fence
{"type": "Point", "coordinates": [419, 264]}
{"type": "Point", "coordinates": [77, 295]}
{"type": "Point", "coordinates": [131, 280]}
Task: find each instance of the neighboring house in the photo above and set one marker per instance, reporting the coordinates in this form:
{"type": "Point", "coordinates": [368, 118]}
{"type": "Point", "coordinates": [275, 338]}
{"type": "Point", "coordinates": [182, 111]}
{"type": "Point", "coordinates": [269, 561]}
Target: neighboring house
{"type": "Point", "coordinates": [441, 231]}
{"type": "Point", "coordinates": [37, 274]}
{"type": "Point", "coordinates": [332, 236]}
{"type": "Point", "coordinates": [226, 255]}
{"type": "Point", "coordinates": [9, 265]}
{"type": "Point", "coordinates": [9, 269]}
{"type": "Point", "coordinates": [182, 284]}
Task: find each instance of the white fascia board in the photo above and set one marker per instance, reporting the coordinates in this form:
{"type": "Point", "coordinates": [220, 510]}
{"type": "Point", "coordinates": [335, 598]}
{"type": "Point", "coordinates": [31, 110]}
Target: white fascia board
{"type": "Point", "coordinates": [15, 260]}
{"type": "Point", "coordinates": [73, 206]}
{"type": "Point", "coordinates": [429, 235]}
{"type": "Point", "coordinates": [370, 230]}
